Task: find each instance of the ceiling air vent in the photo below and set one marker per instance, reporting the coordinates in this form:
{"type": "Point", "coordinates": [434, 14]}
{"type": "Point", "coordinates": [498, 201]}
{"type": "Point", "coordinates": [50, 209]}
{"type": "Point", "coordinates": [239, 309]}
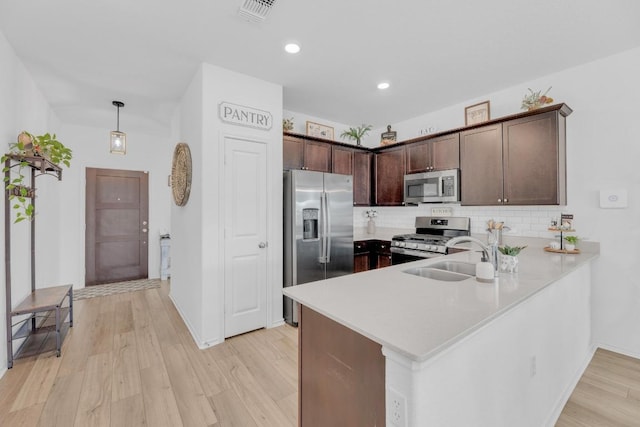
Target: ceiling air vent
{"type": "Point", "coordinates": [256, 10]}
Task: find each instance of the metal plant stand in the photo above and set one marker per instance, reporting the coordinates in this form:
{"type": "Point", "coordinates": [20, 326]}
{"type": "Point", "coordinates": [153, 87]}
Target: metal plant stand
{"type": "Point", "coordinates": [45, 309]}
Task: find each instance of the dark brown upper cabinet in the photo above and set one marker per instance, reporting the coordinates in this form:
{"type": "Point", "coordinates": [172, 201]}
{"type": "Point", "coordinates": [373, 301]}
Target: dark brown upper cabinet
{"type": "Point", "coordinates": [534, 160]}
{"type": "Point", "coordinates": [517, 162]}
{"type": "Point", "coordinates": [342, 160]}
{"type": "Point", "coordinates": [481, 166]}
{"type": "Point", "coordinates": [349, 161]}
{"type": "Point", "coordinates": [389, 177]}
{"type": "Point", "coordinates": [514, 160]}
{"type": "Point", "coordinates": [362, 178]}
{"type": "Point", "coordinates": [440, 153]}
{"type": "Point", "coordinates": [305, 154]}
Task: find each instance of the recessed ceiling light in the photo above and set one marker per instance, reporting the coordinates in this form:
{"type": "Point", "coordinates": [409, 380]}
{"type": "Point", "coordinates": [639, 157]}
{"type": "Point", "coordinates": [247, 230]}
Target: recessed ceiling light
{"type": "Point", "coordinates": [383, 85]}
{"type": "Point", "coordinates": [292, 47]}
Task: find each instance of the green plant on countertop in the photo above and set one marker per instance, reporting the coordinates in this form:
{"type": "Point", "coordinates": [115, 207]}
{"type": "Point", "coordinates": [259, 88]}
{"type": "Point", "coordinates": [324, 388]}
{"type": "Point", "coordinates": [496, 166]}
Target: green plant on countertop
{"type": "Point", "coordinates": [572, 239]}
{"type": "Point", "coordinates": [28, 145]}
{"type": "Point", "coordinates": [356, 134]}
{"type": "Point", "coordinates": [510, 250]}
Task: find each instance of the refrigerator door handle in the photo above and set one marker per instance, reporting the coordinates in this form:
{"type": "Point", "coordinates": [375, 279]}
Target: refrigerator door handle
{"type": "Point", "coordinates": [327, 208]}
{"type": "Point", "coordinates": [323, 230]}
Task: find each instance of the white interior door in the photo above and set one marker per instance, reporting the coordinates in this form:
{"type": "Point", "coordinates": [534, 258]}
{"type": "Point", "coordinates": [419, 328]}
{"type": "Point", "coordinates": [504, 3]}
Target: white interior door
{"type": "Point", "coordinates": [246, 243]}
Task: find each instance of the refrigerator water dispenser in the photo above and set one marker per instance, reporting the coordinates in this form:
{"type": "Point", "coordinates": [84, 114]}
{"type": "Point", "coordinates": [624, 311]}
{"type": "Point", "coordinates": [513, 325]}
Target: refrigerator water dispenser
{"type": "Point", "coordinates": [310, 224]}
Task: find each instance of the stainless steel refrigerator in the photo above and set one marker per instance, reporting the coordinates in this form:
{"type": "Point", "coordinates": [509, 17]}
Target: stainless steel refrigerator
{"type": "Point", "coordinates": [318, 230]}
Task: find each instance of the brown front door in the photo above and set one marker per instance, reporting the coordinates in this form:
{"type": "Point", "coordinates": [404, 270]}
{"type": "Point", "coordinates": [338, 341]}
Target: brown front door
{"type": "Point", "coordinates": [117, 224]}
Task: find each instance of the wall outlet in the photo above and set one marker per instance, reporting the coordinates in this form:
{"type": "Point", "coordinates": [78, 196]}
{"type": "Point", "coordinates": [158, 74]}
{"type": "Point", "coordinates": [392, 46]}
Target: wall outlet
{"type": "Point", "coordinates": [396, 408]}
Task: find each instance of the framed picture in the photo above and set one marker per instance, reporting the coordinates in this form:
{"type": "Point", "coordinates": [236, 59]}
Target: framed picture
{"type": "Point", "coordinates": [320, 131]}
{"type": "Point", "coordinates": [477, 113]}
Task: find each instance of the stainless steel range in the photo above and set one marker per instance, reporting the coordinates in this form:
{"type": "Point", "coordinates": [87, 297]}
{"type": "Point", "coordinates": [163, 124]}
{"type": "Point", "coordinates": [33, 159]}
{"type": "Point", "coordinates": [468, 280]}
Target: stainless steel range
{"type": "Point", "coordinates": [429, 239]}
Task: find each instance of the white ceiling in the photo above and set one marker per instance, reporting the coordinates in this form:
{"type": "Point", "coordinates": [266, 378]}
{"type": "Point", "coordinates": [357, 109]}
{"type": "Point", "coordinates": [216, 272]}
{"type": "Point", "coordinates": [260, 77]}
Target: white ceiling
{"type": "Point", "coordinates": [84, 54]}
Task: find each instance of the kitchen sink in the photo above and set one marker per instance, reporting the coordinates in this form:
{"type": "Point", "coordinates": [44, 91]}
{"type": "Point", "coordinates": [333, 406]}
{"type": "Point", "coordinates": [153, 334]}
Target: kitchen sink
{"type": "Point", "coordinates": [437, 274]}
{"type": "Point", "coordinates": [456, 267]}
{"type": "Point", "coordinates": [447, 271]}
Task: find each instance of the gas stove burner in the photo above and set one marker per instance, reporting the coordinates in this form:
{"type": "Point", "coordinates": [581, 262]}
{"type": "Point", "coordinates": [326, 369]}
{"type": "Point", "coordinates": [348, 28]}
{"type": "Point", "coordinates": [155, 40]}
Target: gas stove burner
{"type": "Point", "coordinates": [430, 237]}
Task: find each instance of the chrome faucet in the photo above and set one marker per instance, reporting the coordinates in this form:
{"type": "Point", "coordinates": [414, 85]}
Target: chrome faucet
{"type": "Point", "coordinates": [489, 252]}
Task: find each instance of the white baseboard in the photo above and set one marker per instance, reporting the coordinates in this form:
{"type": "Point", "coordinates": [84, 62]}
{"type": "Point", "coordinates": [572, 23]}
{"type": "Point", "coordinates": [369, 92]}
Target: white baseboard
{"type": "Point", "coordinates": [199, 342]}
{"type": "Point", "coordinates": [619, 350]}
{"type": "Point", "coordinates": [564, 398]}
{"type": "Point", "coordinates": [275, 324]}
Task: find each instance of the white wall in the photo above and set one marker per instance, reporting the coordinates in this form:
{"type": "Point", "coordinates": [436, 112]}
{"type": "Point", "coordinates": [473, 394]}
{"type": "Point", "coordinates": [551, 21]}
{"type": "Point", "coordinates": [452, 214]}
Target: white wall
{"type": "Point", "coordinates": [187, 237]}
{"type": "Point", "coordinates": [150, 153]}
{"type": "Point", "coordinates": [201, 128]}
{"type": "Point", "coordinates": [300, 126]}
{"type": "Point", "coordinates": [603, 148]}
{"type": "Point", "coordinates": [23, 107]}
{"type": "Point", "coordinates": [60, 205]}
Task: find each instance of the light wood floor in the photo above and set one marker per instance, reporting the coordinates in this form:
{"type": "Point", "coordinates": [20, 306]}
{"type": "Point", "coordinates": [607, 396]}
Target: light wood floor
{"type": "Point", "coordinates": [130, 361]}
{"type": "Point", "coordinates": [608, 393]}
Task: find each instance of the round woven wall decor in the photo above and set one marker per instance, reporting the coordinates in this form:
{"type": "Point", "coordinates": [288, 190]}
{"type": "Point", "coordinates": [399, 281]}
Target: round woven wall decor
{"type": "Point", "coordinates": [181, 174]}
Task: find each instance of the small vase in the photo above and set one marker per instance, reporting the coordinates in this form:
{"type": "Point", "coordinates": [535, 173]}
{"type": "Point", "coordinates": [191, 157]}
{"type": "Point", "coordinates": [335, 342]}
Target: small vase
{"type": "Point", "coordinates": [371, 226]}
{"type": "Point", "coordinates": [508, 263]}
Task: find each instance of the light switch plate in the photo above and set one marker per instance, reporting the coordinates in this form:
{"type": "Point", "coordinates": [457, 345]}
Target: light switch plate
{"type": "Point", "coordinates": [441, 211]}
{"type": "Point", "coordinates": [613, 199]}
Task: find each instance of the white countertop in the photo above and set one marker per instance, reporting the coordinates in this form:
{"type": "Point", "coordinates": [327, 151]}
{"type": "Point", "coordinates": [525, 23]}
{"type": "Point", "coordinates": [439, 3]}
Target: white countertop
{"type": "Point", "coordinates": [420, 317]}
{"type": "Point", "coordinates": [381, 233]}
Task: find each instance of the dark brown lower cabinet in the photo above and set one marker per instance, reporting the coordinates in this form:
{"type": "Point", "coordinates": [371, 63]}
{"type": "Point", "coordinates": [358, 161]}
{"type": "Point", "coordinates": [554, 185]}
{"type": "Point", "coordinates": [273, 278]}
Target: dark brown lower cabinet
{"type": "Point", "coordinates": [361, 255]}
{"type": "Point", "coordinates": [371, 254]}
{"type": "Point", "coordinates": [383, 253]}
{"type": "Point", "coordinates": [341, 379]}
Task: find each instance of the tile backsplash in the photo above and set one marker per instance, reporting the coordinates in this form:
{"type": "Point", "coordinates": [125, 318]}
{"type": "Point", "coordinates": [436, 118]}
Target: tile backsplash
{"type": "Point", "coordinates": [529, 221]}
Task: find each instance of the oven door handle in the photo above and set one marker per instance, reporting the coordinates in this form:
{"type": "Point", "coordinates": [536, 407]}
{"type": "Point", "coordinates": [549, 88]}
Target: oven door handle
{"type": "Point", "coordinates": [420, 254]}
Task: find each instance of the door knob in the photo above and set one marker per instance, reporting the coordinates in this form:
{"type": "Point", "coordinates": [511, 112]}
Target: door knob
{"type": "Point", "coordinates": [144, 230]}
{"type": "Point", "coordinates": [262, 245]}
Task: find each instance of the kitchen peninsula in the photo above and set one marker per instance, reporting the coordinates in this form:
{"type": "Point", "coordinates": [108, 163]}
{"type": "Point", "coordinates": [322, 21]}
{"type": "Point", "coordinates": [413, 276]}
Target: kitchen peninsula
{"type": "Point", "coordinates": [449, 353]}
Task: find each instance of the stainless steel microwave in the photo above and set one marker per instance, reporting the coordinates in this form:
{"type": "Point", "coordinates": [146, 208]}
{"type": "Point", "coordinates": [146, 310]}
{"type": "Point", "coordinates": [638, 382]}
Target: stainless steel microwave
{"type": "Point", "coordinates": [432, 187]}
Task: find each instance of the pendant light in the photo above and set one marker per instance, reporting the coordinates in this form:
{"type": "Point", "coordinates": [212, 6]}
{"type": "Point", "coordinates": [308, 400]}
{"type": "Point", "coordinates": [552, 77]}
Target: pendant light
{"type": "Point", "coordinates": [118, 143]}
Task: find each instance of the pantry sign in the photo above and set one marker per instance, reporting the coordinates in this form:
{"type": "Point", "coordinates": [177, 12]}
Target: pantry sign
{"type": "Point", "coordinates": [245, 116]}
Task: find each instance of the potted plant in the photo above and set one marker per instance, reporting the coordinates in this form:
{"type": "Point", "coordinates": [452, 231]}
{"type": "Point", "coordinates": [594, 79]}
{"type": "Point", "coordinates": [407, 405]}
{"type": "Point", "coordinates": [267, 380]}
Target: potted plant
{"type": "Point", "coordinates": [509, 258]}
{"type": "Point", "coordinates": [534, 100]}
{"type": "Point", "coordinates": [571, 242]}
{"type": "Point", "coordinates": [356, 134]}
{"type": "Point", "coordinates": [287, 124]}
{"type": "Point", "coordinates": [28, 146]}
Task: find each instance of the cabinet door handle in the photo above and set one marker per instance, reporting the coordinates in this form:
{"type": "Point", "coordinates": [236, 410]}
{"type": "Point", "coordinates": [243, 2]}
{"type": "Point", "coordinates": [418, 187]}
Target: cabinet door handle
{"type": "Point", "coordinates": [499, 200]}
{"type": "Point", "coordinates": [506, 200]}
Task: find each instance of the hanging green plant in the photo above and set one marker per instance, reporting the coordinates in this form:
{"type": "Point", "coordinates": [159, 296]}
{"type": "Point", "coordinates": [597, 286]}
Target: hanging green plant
{"type": "Point", "coordinates": [24, 151]}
